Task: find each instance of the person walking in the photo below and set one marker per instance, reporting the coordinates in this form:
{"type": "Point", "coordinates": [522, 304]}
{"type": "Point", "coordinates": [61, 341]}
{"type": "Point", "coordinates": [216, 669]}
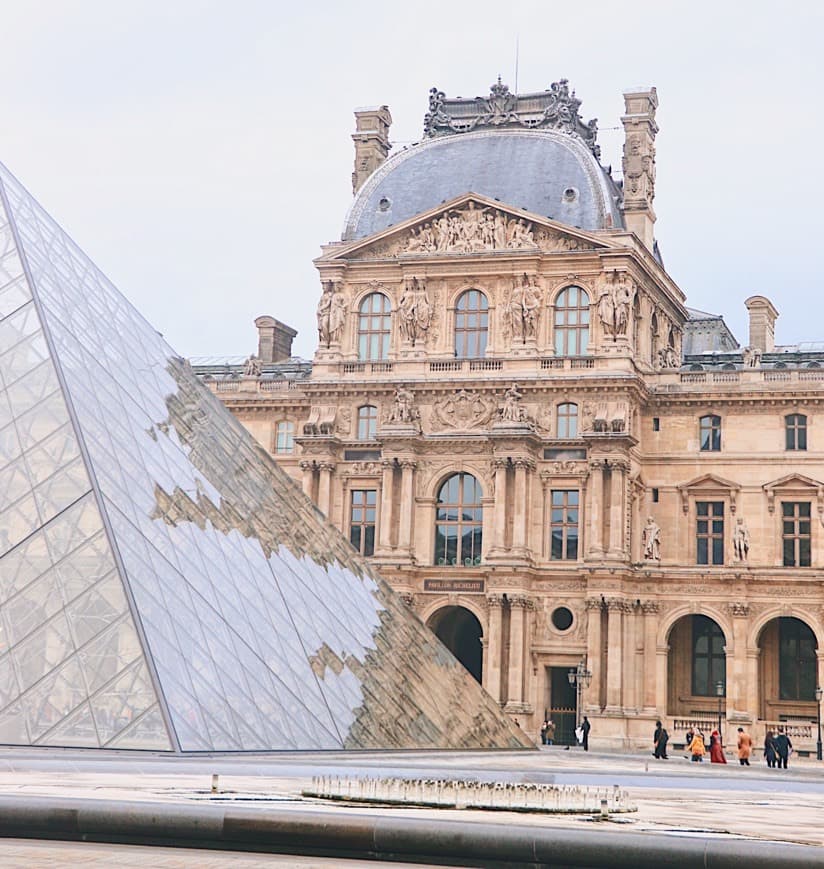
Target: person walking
{"type": "Point", "coordinates": [543, 732]}
{"type": "Point", "coordinates": [585, 728]}
{"type": "Point", "coordinates": [744, 747]}
{"type": "Point", "coordinates": [550, 732]}
{"type": "Point", "coordinates": [696, 747]}
{"type": "Point", "coordinates": [769, 749]}
{"type": "Point", "coordinates": [660, 739]}
{"type": "Point", "coordinates": [716, 749]}
{"type": "Point", "coordinates": [783, 747]}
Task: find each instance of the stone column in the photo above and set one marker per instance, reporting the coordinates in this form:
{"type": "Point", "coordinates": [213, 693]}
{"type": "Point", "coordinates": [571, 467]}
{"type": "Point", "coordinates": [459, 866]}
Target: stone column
{"type": "Point", "coordinates": [492, 671]}
{"type": "Point", "coordinates": [737, 662]}
{"type": "Point", "coordinates": [546, 508]}
{"type": "Point", "coordinates": [754, 684]}
{"type": "Point", "coordinates": [499, 513]}
{"type": "Point", "coordinates": [387, 496]}
{"type": "Point", "coordinates": [594, 663]}
{"type": "Point", "coordinates": [614, 653]}
{"type": "Point", "coordinates": [616, 508]}
{"type": "Point", "coordinates": [521, 513]}
{"type": "Point", "coordinates": [595, 501]}
{"type": "Point", "coordinates": [518, 605]}
{"type": "Point", "coordinates": [651, 609]}
{"type": "Point", "coordinates": [308, 478]}
{"type": "Point", "coordinates": [325, 486]}
{"type": "Point", "coordinates": [407, 503]}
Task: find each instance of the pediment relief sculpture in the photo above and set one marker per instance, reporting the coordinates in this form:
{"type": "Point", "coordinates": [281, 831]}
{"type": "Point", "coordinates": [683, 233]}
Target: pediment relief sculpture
{"type": "Point", "coordinates": [464, 410]}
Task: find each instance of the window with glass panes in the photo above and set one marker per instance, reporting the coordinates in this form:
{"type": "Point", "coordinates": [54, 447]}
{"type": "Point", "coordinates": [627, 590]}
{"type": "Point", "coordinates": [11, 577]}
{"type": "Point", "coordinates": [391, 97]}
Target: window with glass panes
{"type": "Point", "coordinates": [362, 520]}
{"type": "Point", "coordinates": [709, 431]}
{"type": "Point", "coordinates": [795, 431]}
{"type": "Point", "coordinates": [564, 524]}
{"type": "Point", "coordinates": [796, 533]}
{"type": "Point", "coordinates": [709, 536]}
{"type": "Point", "coordinates": [709, 661]}
{"type": "Point", "coordinates": [471, 325]}
{"type": "Point", "coordinates": [797, 660]}
{"type": "Point", "coordinates": [374, 327]}
{"type": "Point", "coordinates": [285, 437]}
{"type": "Point", "coordinates": [459, 522]}
{"type": "Point", "coordinates": [567, 420]}
{"type": "Point", "coordinates": [571, 322]}
{"type": "Point", "coordinates": [367, 422]}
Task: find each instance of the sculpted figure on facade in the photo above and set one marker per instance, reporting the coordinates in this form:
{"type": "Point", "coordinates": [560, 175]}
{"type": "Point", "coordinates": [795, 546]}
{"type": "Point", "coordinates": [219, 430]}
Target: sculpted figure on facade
{"type": "Point", "coordinates": [510, 409]}
{"type": "Point", "coordinates": [652, 540]}
{"type": "Point", "coordinates": [403, 408]}
{"type": "Point", "coordinates": [331, 314]}
{"type": "Point", "coordinates": [741, 540]}
{"type": "Point", "coordinates": [252, 367]}
{"type": "Point", "coordinates": [414, 312]}
{"type": "Point", "coordinates": [615, 305]}
{"type": "Point", "coordinates": [324, 307]}
{"type": "Point", "coordinates": [468, 230]}
{"type": "Point", "coordinates": [523, 310]}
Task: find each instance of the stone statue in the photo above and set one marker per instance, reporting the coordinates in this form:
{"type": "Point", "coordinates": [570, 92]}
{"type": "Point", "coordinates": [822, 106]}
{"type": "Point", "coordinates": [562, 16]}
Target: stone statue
{"type": "Point", "coordinates": [337, 316]}
{"type": "Point", "coordinates": [623, 297]}
{"type": "Point", "coordinates": [606, 310]}
{"type": "Point", "coordinates": [740, 540]}
{"type": "Point", "coordinates": [523, 310]}
{"type": "Point", "coordinates": [652, 540]}
{"type": "Point", "coordinates": [403, 407]}
{"type": "Point", "coordinates": [414, 312]}
{"type": "Point", "coordinates": [615, 305]}
{"type": "Point", "coordinates": [667, 358]}
{"type": "Point", "coordinates": [752, 357]}
{"type": "Point", "coordinates": [510, 410]}
{"type": "Point", "coordinates": [324, 309]}
{"type": "Point", "coordinates": [520, 234]}
{"type": "Point", "coordinates": [252, 367]}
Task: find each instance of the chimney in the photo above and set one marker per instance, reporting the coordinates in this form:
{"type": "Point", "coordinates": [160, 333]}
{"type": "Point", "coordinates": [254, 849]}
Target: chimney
{"type": "Point", "coordinates": [639, 162]}
{"type": "Point", "coordinates": [371, 139]}
{"type": "Point", "coordinates": [762, 323]}
{"type": "Point", "coordinates": [274, 340]}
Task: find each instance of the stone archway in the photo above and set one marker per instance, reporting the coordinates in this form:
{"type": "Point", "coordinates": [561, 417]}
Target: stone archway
{"type": "Point", "coordinates": [696, 662]}
{"type": "Point", "coordinates": [788, 669]}
{"type": "Point", "coordinates": [461, 632]}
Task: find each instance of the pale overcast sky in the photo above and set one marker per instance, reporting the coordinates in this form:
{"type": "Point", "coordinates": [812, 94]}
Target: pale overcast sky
{"type": "Point", "coordinates": [200, 152]}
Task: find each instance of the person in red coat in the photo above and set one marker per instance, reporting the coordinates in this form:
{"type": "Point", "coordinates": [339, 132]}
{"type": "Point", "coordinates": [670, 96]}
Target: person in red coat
{"type": "Point", "coordinates": [716, 749]}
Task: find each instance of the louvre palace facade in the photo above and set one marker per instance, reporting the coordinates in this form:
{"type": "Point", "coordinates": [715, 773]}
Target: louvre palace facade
{"type": "Point", "coordinates": [559, 465]}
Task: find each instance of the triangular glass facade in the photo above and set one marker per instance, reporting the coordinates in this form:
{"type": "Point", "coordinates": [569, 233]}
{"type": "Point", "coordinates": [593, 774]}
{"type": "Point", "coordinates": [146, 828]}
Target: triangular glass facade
{"type": "Point", "coordinates": [163, 585]}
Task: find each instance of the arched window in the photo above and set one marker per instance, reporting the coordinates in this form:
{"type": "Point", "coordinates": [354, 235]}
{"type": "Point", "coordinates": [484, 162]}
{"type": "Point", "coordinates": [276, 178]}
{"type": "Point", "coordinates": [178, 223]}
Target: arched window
{"type": "Point", "coordinates": [471, 325]}
{"type": "Point", "coordinates": [367, 422]}
{"type": "Point", "coordinates": [285, 437]}
{"type": "Point", "coordinates": [797, 660]}
{"type": "Point", "coordinates": [653, 338]}
{"type": "Point", "coordinates": [709, 433]}
{"type": "Point", "coordinates": [567, 421]}
{"type": "Point", "coordinates": [795, 431]}
{"type": "Point", "coordinates": [709, 661]}
{"type": "Point", "coordinates": [571, 322]}
{"type": "Point", "coordinates": [458, 522]}
{"type": "Point", "coordinates": [374, 327]}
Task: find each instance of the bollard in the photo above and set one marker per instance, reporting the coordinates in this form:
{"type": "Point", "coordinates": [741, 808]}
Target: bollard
{"type": "Point", "coordinates": [214, 784]}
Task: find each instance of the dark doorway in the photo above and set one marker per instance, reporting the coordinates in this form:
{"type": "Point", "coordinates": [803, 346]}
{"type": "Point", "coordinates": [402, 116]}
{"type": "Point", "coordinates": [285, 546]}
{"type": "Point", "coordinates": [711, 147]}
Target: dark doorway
{"type": "Point", "coordinates": [562, 703]}
{"type": "Point", "coordinates": [461, 633]}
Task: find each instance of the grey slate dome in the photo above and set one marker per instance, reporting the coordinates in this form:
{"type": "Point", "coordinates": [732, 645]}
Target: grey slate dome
{"type": "Point", "coordinates": [530, 151]}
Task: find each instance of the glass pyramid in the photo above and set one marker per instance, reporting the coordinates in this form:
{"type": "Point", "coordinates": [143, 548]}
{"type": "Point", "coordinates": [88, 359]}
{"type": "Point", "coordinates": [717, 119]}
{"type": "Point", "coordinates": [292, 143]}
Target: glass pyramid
{"type": "Point", "coordinates": [163, 585]}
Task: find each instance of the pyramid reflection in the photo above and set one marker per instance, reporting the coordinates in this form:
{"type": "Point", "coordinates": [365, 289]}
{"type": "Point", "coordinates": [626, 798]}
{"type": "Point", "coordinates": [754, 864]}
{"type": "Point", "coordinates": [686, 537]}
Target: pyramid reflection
{"type": "Point", "coordinates": [163, 585]}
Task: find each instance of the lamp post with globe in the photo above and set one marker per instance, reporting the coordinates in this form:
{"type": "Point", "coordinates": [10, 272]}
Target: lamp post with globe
{"type": "Point", "coordinates": [579, 678]}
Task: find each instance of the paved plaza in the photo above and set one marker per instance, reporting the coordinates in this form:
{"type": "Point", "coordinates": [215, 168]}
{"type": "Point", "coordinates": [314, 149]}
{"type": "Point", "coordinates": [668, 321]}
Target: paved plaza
{"type": "Point", "coordinates": [674, 797]}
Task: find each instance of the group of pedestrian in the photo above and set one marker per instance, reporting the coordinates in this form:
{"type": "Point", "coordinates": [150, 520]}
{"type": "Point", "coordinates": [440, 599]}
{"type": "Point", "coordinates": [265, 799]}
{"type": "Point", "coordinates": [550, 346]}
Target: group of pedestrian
{"type": "Point", "coordinates": [777, 749]}
{"type": "Point", "coordinates": [548, 732]}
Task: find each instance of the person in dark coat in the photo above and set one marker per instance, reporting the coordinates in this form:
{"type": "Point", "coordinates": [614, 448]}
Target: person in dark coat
{"type": "Point", "coordinates": [660, 739]}
{"type": "Point", "coordinates": [769, 749]}
{"type": "Point", "coordinates": [783, 747]}
{"type": "Point", "coordinates": [585, 728]}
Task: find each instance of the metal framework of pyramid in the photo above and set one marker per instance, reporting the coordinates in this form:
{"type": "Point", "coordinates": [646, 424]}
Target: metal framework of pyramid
{"type": "Point", "coordinates": [163, 585]}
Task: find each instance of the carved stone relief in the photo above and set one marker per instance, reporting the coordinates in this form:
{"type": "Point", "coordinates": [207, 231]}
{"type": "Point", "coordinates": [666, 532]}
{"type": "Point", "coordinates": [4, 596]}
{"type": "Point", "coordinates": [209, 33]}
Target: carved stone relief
{"type": "Point", "coordinates": [414, 312]}
{"type": "Point", "coordinates": [522, 310]}
{"type": "Point", "coordinates": [464, 410]}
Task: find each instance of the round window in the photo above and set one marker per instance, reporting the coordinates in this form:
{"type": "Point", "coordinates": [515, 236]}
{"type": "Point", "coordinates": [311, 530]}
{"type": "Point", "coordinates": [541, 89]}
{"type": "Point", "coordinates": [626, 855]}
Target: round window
{"type": "Point", "coordinates": [562, 618]}
{"type": "Point", "coordinates": [384, 204]}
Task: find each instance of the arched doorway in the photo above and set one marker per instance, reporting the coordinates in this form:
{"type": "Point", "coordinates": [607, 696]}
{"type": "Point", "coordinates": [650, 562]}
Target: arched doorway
{"type": "Point", "coordinates": [696, 663]}
{"type": "Point", "coordinates": [788, 670]}
{"type": "Point", "coordinates": [458, 629]}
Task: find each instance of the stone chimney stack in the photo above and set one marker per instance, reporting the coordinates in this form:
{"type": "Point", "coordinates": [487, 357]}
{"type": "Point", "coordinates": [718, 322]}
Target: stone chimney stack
{"type": "Point", "coordinates": [762, 323]}
{"type": "Point", "coordinates": [639, 162]}
{"type": "Point", "coordinates": [371, 139]}
{"type": "Point", "coordinates": [274, 340]}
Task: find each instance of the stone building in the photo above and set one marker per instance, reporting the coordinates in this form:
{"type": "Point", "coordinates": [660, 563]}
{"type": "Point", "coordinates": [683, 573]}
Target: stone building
{"type": "Point", "coordinates": [513, 412]}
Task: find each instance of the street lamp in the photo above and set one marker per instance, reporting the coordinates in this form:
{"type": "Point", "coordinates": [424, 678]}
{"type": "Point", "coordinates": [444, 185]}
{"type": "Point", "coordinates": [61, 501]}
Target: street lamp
{"type": "Point", "coordinates": [819, 693]}
{"type": "Point", "coordinates": [719, 690]}
{"type": "Point", "coordinates": [579, 678]}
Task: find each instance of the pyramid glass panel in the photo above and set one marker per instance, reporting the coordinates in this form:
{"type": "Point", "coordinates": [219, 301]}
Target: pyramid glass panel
{"type": "Point", "coordinates": [163, 585]}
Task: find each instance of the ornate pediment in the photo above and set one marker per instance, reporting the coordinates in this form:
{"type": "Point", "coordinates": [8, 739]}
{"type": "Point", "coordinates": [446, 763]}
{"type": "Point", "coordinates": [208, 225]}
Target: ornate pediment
{"type": "Point", "coordinates": [795, 485]}
{"type": "Point", "coordinates": [709, 484]}
{"type": "Point", "coordinates": [470, 224]}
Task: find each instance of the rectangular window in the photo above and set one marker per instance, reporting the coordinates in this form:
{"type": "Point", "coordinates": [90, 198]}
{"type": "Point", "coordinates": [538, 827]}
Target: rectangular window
{"type": "Point", "coordinates": [656, 424]}
{"type": "Point", "coordinates": [795, 431]}
{"type": "Point", "coordinates": [655, 496]}
{"type": "Point", "coordinates": [796, 537]}
{"type": "Point", "coordinates": [362, 520]}
{"type": "Point", "coordinates": [564, 524]}
{"type": "Point", "coordinates": [709, 535]}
